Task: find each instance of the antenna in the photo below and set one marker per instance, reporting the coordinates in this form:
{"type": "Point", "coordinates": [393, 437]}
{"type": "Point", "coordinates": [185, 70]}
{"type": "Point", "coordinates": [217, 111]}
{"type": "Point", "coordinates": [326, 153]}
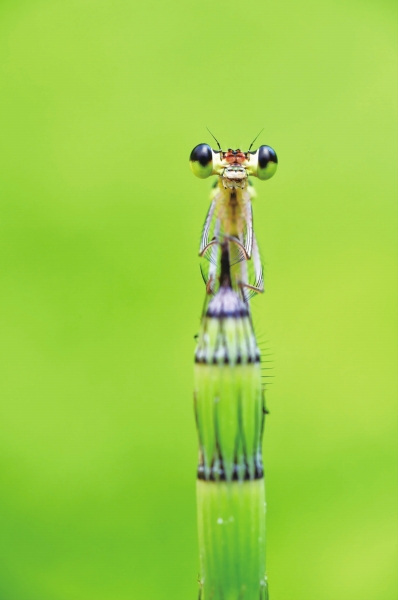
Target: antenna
{"type": "Point", "coordinates": [218, 143]}
{"type": "Point", "coordinates": [255, 139]}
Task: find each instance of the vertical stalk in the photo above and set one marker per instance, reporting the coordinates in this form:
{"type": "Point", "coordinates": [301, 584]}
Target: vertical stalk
{"type": "Point", "coordinates": [229, 410]}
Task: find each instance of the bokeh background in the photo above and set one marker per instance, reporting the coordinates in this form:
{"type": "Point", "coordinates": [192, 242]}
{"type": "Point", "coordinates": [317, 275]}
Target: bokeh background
{"type": "Point", "coordinates": [100, 216]}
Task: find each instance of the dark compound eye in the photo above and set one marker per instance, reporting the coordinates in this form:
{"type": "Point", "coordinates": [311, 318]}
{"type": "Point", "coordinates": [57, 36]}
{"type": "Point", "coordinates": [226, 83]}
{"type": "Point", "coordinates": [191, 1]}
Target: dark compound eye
{"type": "Point", "coordinates": [201, 161]}
{"type": "Point", "coordinates": [267, 162]}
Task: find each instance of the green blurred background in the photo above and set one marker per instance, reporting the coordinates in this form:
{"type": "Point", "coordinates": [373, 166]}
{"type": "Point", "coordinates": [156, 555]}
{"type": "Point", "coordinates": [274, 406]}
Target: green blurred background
{"type": "Point", "coordinates": [101, 104]}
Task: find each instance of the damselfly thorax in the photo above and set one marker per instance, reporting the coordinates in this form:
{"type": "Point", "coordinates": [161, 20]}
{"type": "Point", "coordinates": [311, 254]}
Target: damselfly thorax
{"type": "Point", "coordinates": [230, 216]}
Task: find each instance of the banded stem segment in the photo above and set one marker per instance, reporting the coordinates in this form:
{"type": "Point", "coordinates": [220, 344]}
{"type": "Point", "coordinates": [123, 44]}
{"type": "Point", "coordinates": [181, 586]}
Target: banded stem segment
{"type": "Point", "coordinates": [231, 522]}
{"type": "Point", "coordinates": [229, 412]}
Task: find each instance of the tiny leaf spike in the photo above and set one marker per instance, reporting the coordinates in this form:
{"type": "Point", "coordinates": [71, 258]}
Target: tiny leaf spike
{"type": "Point", "coordinates": [228, 387]}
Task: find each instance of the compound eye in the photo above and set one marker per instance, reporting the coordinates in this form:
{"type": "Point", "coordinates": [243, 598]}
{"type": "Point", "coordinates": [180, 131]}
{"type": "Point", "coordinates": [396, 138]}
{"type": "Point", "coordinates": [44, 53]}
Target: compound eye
{"type": "Point", "coordinates": [201, 161]}
{"type": "Point", "coordinates": [267, 162]}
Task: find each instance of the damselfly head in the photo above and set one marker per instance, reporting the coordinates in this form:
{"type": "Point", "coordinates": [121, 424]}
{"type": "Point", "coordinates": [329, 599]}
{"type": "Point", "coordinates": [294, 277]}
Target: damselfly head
{"type": "Point", "coordinates": [233, 166]}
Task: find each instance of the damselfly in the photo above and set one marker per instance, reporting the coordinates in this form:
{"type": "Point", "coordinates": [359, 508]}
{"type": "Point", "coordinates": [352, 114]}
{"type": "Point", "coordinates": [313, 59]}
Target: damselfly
{"type": "Point", "coordinates": [228, 392]}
